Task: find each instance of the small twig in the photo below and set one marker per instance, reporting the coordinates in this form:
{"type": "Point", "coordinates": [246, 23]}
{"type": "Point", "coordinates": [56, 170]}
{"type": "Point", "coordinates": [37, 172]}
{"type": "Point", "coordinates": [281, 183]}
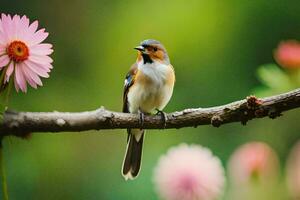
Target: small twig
{"type": "Point", "coordinates": [23, 123]}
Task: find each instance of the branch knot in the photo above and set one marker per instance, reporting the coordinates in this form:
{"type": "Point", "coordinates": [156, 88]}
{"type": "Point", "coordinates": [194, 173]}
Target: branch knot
{"type": "Point", "coordinates": [253, 102]}
{"type": "Point", "coordinates": [216, 121]}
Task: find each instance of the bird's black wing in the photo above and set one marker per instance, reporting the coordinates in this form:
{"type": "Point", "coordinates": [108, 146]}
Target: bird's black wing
{"type": "Point", "coordinates": [129, 80]}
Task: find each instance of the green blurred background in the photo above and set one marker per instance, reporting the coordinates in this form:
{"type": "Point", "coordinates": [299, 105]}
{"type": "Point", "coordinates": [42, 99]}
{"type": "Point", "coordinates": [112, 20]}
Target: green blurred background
{"type": "Point", "coordinates": [215, 47]}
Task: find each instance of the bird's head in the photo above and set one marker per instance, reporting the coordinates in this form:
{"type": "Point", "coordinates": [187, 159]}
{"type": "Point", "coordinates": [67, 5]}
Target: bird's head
{"type": "Point", "coordinates": [150, 51]}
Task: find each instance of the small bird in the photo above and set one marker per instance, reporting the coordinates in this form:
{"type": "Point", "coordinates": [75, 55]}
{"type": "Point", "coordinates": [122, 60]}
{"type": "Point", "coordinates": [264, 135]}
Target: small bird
{"type": "Point", "coordinates": [148, 88]}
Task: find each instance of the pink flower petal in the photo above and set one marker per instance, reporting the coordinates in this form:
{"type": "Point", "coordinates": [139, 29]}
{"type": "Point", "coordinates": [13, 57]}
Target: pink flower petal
{"type": "Point", "coordinates": [49, 66]}
{"type": "Point", "coordinates": [38, 69]}
{"type": "Point", "coordinates": [25, 21]}
{"type": "Point", "coordinates": [30, 31]}
{"type": "Point", "coordinates": [2, 38]}
{"type": "Point", "coordinates": [7, 26]}
{"type": "Point", "coordinates": [43, 67]}
{"type": "Point", "coordinates": [15, 25]}
{"type": "Point", "coordinates": [2, 31]}
{"type": "Point", "coordinates": [9, 72]}
{"type": "Point", "coordinates": [40, 59]}
{"type": "Point", "coordinates": [4, 60]}
{"type": "Point", "coordinates": [2, 49]}
{"type": "Point", "coordinates": [24, 24]}
{"type": "Point", "coordinates": [41, 49]}
{"type": "Point", "coordinates": [27, 75]}
{"type": "Point", "coordinates": [20, 79]}
{"type": "Point", "coordinates": [16, 85]}
{"type": "Point", "coordinates": [23, 29]}
{"type": "Point", "coordinates": [33, 75]}
{"type": "Point", "coordinates": [33, 27]}
{"type": "Point", "coordinates": [38, 37]}
{"type": "Point", "coordinates": [46, 67]}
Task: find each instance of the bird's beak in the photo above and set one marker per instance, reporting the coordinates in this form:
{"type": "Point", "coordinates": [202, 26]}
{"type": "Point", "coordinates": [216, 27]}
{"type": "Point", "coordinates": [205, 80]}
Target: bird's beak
{"type": "Point", "coordinates": [140, 48]}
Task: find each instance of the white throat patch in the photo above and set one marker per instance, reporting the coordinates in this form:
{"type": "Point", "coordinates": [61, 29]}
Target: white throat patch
{"type": "Point", "coordinates": [156, 71]}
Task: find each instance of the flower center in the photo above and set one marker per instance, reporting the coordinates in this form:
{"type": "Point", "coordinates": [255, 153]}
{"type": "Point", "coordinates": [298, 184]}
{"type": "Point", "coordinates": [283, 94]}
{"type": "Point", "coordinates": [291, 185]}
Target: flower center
{"type": "Point", "coordinates": [17, 51]}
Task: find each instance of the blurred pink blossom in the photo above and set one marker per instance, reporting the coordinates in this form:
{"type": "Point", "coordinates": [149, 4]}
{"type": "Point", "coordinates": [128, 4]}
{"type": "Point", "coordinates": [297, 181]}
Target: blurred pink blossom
{"type": "Point", "coordinates": [287, 54]}
{"type": "Point", "coordinates": [189, 173]}
{"type": "Point", "coordinates": [253, 161]}
{"type": "Point", "coordinates": [21, 52]}
{"type": "Point", "coordinates": [293, 171]}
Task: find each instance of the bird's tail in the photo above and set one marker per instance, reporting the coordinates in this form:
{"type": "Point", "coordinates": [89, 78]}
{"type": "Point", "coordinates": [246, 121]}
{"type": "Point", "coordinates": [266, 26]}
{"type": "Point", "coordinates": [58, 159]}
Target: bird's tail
{"type": "Point", "coordinates": [133, 155]}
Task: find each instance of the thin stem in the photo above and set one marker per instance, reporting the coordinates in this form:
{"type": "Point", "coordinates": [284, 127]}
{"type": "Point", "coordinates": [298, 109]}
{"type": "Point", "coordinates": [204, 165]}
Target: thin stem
{"type": "Point", "coordinates": [5, 89]}
{"type": "Point", "coordinates": [2, 104]}
{"type": "Point", "coordinates": [7, 95]}
{"type": "Point", "coordinates": [3, 174]}
{"type": "Point", "coordinates": [2, 76]}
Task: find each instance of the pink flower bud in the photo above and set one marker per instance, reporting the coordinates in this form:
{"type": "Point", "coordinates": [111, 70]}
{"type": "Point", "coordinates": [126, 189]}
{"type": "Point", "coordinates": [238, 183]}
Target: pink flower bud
{"type": "Point", "coordinates": [254, 161]}
{"type": "Point", "coordinates": [287, 54]}
{"type": "Point", "coordinates": [189, 172]}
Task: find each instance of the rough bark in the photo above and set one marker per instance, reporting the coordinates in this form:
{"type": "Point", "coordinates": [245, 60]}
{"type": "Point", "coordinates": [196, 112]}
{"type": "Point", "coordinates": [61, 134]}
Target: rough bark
{"type": "Point", "coordinates": [22, 123]}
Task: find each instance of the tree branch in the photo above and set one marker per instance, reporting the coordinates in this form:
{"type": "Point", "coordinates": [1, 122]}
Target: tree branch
{"type": "Point", "coordinates": [22, 123]}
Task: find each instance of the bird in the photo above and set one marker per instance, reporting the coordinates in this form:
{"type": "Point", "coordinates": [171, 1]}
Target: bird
{"type": "Point", "coordinates": [148, 89]}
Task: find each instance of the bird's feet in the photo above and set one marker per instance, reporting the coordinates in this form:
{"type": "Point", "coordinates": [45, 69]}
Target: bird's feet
{"type": "Point", "coordinates": [142, 118]}
{"type": "Point", "coordinates": [163, 117]}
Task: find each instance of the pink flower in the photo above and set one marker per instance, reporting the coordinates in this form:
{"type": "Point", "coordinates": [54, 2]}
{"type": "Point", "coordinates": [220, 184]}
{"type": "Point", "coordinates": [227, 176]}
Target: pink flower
{"type": "Point", "coordinates": [189, 173]}
{"type": "Point", "coordinates": [293, 171]}
{"type": "Point", "coordinates": [253, 161]}
{"type": "Point", "coordinates": [287, 54]}
{"type": "Point", "coordinates": [22, 55]}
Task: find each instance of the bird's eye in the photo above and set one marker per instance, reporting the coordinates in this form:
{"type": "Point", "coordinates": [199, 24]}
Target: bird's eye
{"type": "Point", "coordinates": [155, 48]}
